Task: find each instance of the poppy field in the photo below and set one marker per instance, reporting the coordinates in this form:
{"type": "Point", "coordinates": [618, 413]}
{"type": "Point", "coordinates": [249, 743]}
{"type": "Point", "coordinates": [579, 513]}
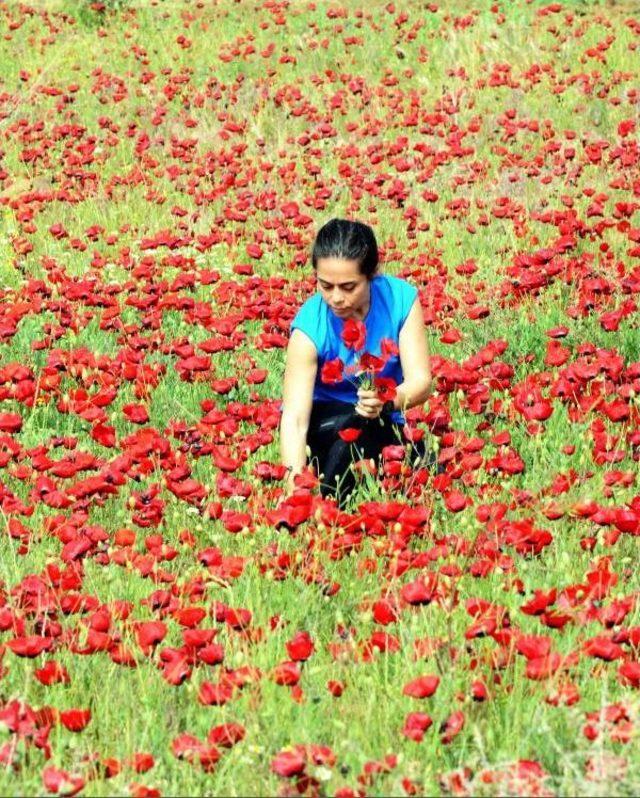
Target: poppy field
{"type": "Point", "coordinates": [171, 621]}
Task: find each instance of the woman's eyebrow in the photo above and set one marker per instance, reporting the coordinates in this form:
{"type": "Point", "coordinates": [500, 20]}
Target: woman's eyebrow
{"type": "Point", "coordinates": [326, 282]}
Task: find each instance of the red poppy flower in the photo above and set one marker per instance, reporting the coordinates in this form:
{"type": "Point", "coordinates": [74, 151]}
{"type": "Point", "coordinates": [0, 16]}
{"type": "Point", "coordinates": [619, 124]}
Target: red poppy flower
{"type": "Point", "coordinates": [30, 646]}
{"type": "Point", "coordinates": [288, 764]}
{"type": "Point", "coordinates": [332, 371]}
{"type": "Point", "coordinates": [533, 646]}
{"type": "Point", "coordinates": [354, 334]}
{"type": "Point", "coordinates": [149, 634]}
{"type": "Point", "coordinates": [61, 782]}
{"type": "Point", "coordinates": [422, 590]}
{"type": "Point", "coordinates": [336, 688]}
{"type": "Point", "coordinates": [415, 726]}
{"type": "Point", "coordinates": [300, 647]}
{"type": "Point", "coordinates": [452, 727]}
{"type": "Point", "coordinates": [422, 687]}
{"type": "Point", "coordinates": [349, 434]}
{"type": "Point", "coordinates": [211, 654]}
{"type": "Point", "coordinates": [287, 673]}
{"type": "Point", "coordinates": [75, 719]}
{"type": "Point", "coordinates": [226, 735]}
{"type": "Point", "coordinates": [136, 413]}
{"type": "Point", "coordinates": [388, 348]}
{"type": "Point", "coordinates": [540, 668]}
{"type": "Point", "coordinates": [142, 762]}
{"type": "Point", "coordinates": [186, 746]}
{"type": "Point", "coordinates": [479, 691]}
{"type": "Point", "coordinates": [215, 694]}
{"type": "Point", "coordinates": [52, 673]}
{"type": "Point", "coordinates": [176, 667]}
{"type": "Point", "coordinates": [629, 674]}
{"type": "Point", "coordinates": [385, 612]}
{"type": "Point", "coordinates": [455, 501]}
{"type": "Point", "coordinates": [371, 364]}
{"type": "Point", "coordinates": [385, 388]}
{"type": "Point", "coordinates": [10, 422]}
{"type": "Point", "coordinates": [602, 648]}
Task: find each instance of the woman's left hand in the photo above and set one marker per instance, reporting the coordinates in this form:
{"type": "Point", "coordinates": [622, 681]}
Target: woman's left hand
{"type": "Point", "coordinates": [369, 405]}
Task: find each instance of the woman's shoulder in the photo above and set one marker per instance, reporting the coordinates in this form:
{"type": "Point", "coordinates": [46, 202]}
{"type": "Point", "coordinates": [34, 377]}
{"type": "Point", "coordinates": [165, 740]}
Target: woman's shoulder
{"type": "Point", "coordinates": [398, 295]}
{"type": "Point", "coordinates": [394, 286]}
{"type": "Point", "coordinates": [310, 319]}
{"type": "Point", "coordinates": [392, 281]}
{"type": "Point", "coordinates": [310, 307]}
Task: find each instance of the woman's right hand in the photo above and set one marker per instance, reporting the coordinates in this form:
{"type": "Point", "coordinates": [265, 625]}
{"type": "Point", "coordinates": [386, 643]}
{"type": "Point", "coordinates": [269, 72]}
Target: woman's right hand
{"type": "Point", "coordinates": [369, 405]}
{"type": "Point", "coordinates": [289, 483]}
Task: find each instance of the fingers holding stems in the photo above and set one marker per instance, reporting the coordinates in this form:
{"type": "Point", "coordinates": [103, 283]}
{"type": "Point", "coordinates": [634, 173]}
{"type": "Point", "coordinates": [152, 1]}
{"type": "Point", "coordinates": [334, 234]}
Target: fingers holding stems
{"type": "Point", "coordinates": [369, 405]}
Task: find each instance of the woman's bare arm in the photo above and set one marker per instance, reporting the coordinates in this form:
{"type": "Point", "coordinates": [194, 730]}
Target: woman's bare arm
{"type": "Point", "coordinates": [414, 358]}
{"type": "Point", "coordinates": [297, 399]}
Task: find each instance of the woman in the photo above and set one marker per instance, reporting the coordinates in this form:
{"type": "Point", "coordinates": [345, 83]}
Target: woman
{"type": "Point", "coordinates": [320, 402]}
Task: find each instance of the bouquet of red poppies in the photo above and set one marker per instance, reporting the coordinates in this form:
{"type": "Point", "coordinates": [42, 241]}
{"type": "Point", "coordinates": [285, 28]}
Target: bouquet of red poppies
{"type": "Point", "coordinates": [365, 372]}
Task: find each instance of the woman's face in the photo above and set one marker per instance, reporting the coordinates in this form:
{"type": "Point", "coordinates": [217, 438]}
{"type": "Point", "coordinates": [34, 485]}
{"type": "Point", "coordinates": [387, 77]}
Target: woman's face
{"type": "Point", "coordinates": [343, 288]}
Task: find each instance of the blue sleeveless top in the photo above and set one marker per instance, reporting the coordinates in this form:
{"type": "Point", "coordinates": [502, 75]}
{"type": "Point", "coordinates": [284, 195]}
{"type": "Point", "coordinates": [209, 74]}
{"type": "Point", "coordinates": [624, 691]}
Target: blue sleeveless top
{"type": "Point", "coordinates": [391, 300]}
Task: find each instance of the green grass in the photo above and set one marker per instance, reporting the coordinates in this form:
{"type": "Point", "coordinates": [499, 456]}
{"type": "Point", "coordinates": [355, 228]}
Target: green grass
{"type": "Point", "coordinates": [83, 87]}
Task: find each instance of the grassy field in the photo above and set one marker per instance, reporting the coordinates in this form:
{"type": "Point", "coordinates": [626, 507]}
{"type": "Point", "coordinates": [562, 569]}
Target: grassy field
{"type": "Point", "coordinates": [170, 623]}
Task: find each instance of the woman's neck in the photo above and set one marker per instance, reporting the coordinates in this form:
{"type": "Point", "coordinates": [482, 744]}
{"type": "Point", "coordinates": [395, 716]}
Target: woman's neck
{"type": "Point", "coordinates": [361, 314]}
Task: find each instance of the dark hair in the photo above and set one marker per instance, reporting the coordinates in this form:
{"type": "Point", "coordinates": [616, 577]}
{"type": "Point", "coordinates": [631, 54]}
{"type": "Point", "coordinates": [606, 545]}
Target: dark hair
{"type": "Point", "coordinates": [342, 238]}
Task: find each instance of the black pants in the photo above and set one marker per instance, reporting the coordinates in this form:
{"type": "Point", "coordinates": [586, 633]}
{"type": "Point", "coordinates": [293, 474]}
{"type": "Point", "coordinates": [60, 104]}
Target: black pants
{"type": "Point", "coordinates": [332, 457]}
